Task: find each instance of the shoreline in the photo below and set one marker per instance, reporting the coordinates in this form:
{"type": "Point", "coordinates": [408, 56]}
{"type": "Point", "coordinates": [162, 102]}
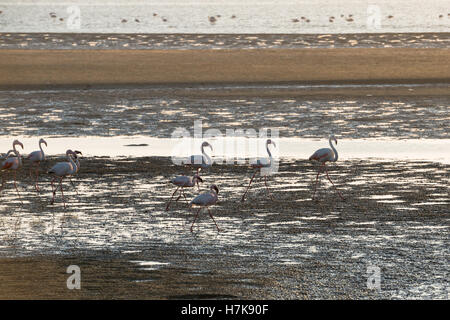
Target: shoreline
{"type": "Point", "coordinates": [90, 69]}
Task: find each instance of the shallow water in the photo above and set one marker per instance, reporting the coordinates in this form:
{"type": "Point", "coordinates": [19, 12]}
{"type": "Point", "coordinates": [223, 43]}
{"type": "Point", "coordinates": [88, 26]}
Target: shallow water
{"type": "Point", "coordinates": [395, 216]}
{"type": "Point", "coordinates": [119, 210]}
{"type": "Point", "coordinates": [122, 41]}
{"type": "Point", "coordinates": [157, 113]}
{"type": "Point", "coordinates": [220, 16]}
{"type": "Point", "coordinates": [235, 150]}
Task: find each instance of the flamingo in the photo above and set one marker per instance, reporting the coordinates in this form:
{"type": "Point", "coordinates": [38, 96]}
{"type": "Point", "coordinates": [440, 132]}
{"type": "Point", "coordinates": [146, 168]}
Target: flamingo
{"type": "Point", "coordinates": [13, 163]}
{"type": "Point", "coordinates": [77, 163]}
{"type": "Point", "coordinates": [261, 163]}
{"type": "Point", "coordinates": [183, 182]}
{"type": "Point", "coordinates": [62, 170]}
{"type": "Point", "coordinates": [200, 161]}
{"type": "Point", "coordinates": [36, 157]}
{"type": "Point", "coordinates": [205, 200]}
{"type": "Point", "coordinates": [323, 156]}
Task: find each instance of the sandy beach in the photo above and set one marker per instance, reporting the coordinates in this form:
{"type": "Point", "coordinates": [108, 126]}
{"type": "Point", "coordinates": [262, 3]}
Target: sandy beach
{"type": "Point", "coordinates": [88, 68]}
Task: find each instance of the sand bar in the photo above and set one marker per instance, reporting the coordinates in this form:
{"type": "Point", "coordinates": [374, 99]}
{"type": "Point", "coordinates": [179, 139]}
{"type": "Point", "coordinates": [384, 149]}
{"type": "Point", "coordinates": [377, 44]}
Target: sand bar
{"type": "Point", "coordinates": [81, 68]}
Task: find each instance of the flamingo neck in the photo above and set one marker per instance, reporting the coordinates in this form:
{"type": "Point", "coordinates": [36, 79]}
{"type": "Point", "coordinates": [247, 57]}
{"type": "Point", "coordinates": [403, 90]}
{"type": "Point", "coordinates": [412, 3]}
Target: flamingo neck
{"type": "Point", "coordinates": [40, 147]}
{"type": "Point", "coordinates": [19, 158]}
{"type": "Point", "coordinates": [74, 165]}
{"type": "Point", "coordinates": [208, 158]}
{"type": "Point", "coordinates": [268, 152]}
{"type": "Point", "coordinates": [334, 150]}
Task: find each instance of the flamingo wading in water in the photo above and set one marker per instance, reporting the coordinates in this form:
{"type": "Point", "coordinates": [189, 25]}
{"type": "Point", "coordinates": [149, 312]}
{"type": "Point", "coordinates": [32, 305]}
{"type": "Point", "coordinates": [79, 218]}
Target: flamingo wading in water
{"type": "Point", "coordinates": [62, 170]}
{"type": "Point", "coordinates": [36, 157]}
{"type": "Point", "coordinates": [261, 163]}
{"type": "Point", "coordinates": [183, 182]}
{"type": "Point", "coordinates": [323, 156]}
{"type": "Point", "coordinates": [13, 163]}
{"type": "Point", "coordinates": [205, 200]}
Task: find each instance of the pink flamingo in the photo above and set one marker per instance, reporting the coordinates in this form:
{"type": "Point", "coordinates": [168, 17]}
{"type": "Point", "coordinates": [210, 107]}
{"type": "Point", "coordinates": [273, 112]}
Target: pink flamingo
{"type": "Point", "coordinates": [323, 156]}
{"type": "Point", "coordinates": [183, 182]}
{"type": "Point", "coordinates": [36, 157]}
{"type": "Point", "coordinates": [205, 200]}
{"type": "Point", "coordinates": [261, 163]}
{"type": "Point", "coordinates": [62, 170]}
{"type": "Point", "coordinates": [13, 163]}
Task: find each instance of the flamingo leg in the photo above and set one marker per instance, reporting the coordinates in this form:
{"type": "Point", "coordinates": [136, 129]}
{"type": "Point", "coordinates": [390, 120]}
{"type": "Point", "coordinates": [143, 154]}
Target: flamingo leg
{"type": "Point", "coordinates": [3, 182]}
{"type": "Point", "coordinates": [37, 177]}
{"type": "Point", "coordinates": [340, 195]}
{"type": "Point", "coordinates": [62, 192]}
{"type": "Point", "coordinates": [195, 219]}
{"type": "Point", "coordinates": [73, 185]}
{"type": "Point", "coordinates": [184, 195]}
{"type": "Point", "coordinates": [243, 196]}
{"type": "Point", "coordinates": [317, 180]}
{"type": "Point", "coordinates": [53, 191]}
{"type": "Point", "coordinates": [15, 185]}
{"type": "Point", "coordinates": [167, 207]}
{"type": "Point", "coordinates": [267, 188]}
{"type": "Point", "coordinates": [218, 230]}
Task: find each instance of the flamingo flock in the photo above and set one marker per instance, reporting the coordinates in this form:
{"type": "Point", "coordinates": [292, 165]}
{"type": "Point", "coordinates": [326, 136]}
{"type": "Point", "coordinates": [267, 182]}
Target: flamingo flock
{"type": "Point", "coordinates": [12, 162]}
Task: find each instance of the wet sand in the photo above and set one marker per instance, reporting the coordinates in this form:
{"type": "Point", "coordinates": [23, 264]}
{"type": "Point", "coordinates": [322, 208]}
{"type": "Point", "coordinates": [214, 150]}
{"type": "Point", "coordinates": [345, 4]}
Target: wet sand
{"type": "Point", "coordinates": [127, 246]}
{"type": "Point", "coordinates": [82, 68]}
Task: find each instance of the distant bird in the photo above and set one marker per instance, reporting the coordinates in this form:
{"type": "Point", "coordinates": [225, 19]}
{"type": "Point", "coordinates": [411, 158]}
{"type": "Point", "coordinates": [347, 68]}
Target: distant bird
{"type": "Point", "coordinates": [261, 163]}
{"type": "Point", "coordinates": [200, 161]}
{"type": "Point", "coordinates": [323, 156]}
{"type": "Point", "coordinates": [205, 200]}
{"type": "Point", "coordinates": [13, 163]}
{"type": "Point", "coordinates": [183, 182]}
{"type": "Point", "coordinates": [212, 19]}
{"type": "Point", "coordinates": [62, 170]}
{"type": "Point", "coordinates": [36, 157]}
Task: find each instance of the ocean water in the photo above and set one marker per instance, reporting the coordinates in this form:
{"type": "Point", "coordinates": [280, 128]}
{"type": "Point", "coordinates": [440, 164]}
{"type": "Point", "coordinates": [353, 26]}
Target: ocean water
{"type": "Point", "coordinates": [220, 16]}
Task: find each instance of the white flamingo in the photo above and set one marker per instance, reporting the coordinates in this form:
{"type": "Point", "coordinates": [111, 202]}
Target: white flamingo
{"type": "Point", "coordinates": [62, 170]}
{"type": "Point", "coordinates": [183, 182]}
{"type": "Point", "coordinates": [12, 163]}
{"type": "Point", "coordinates": [205, 200]}
{"type": "Point", "coordinates": [323, 156]}
{"type": "Point", "coordinates": [200, 161]}
{"type": "Point", "coordinates": [36, 157]}
{"type": "Point", "coordinates": [261, 163]}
